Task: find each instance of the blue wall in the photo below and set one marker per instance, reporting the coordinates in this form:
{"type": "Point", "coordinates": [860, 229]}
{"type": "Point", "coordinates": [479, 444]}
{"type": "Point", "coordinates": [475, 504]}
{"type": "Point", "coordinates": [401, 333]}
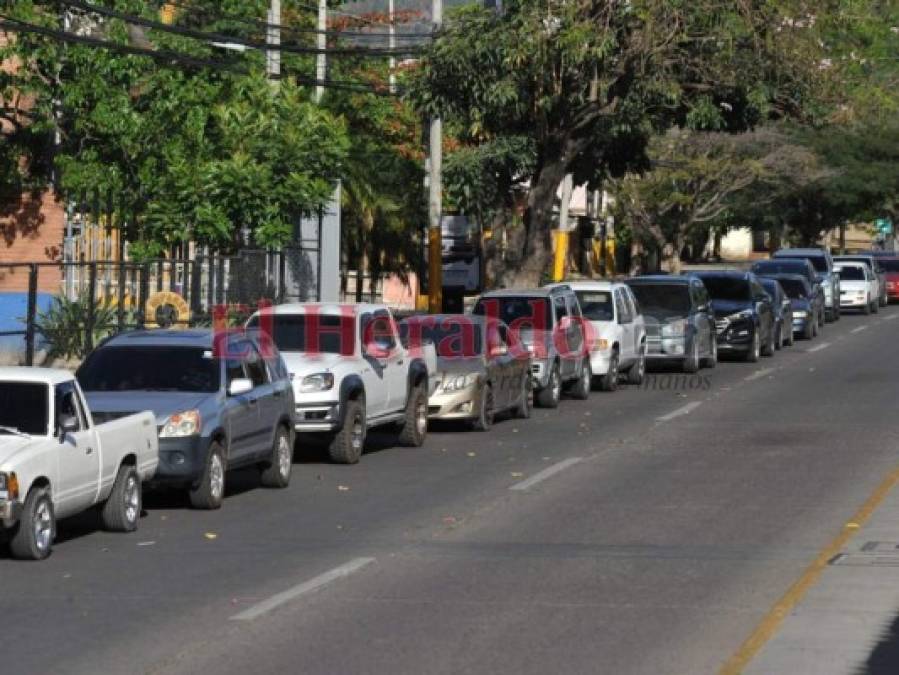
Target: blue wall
{"type": "Point", "coordinates": [13, 309]}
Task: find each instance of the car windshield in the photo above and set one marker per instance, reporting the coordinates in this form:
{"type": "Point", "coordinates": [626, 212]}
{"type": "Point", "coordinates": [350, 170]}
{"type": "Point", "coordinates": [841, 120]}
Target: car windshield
{"type": "Point", "coordinates": [452, 338]}
{"type": "Point", "coordinates": [851, 273]}
{"type": "Point", "coordinates": [770, 287]}
{"type": "Point", "coordinates": [727, 288]}
{"type": "Point", "coordinates": [24, 407]}
{"type": "Point", "coordinates": [781, 267]}
{"type": "Point", "coordinates": [662, 298]}
{"type": "Point", "coordinates": [321, 333]}
{"type": "Point", "coordinates": [864, 261]}
{"type": "Point", "coordinates": [146, 368]}
{"type": "Point", "coordinates": [515, 311]}
{"type": "Point", "coordinates": [889, 264]}
{"type": "Point", "coordinates": [794, 288]}
{"type": "Point", "coordinates": [596, 305]}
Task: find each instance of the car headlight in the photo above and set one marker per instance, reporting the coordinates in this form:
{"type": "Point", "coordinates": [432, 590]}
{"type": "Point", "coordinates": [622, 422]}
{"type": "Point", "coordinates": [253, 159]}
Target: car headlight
{"type": "Point", "coordinates": [675, 328]}
{"type": "Point", "coordinates": [601, 345]}
{"type": "Point", "coordinates": [745, 315]}
{"type": "Point", "coordinates": [317, 382]}
{"type": "Point", "coordinates": [181, 424]}
{"type": "Point", "coordinates": [460, 382]}
{"type": "Point", "coordinates": [9, 487]}
{"type": "Point", "coordinates": [799, 314]}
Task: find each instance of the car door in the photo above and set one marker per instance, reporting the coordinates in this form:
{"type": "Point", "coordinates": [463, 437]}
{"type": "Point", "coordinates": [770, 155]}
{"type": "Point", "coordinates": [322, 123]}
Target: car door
{"type": "Point", "coordinates": [499, 365]}
{"type": "Point", "coordinates": [562, 324]}
{"type": "Point", "coordinates": [704, 320]}
{"type": "Point", "coordinates": [764, 309]}
{"type": "Point", "coordinates": [268, 400]}
{"type": "Point", "coordinates": [626, 326]}
{"type": "Point", "coordinates": [639, 324]}
{"type": "Point", "coordinates": [79, 455]}
{"type": "Point", "coordinates": [374, 373]}
{"type": "Point", "coordinates": [241, 411]}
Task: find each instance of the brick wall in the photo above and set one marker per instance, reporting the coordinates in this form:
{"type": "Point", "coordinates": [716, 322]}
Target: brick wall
{"type": "Point", "coordinates": [31, 230]}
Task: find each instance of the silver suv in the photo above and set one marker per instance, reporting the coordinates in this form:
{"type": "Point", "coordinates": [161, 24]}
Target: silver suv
{"type": "Point", "coordinates": [549, 324]}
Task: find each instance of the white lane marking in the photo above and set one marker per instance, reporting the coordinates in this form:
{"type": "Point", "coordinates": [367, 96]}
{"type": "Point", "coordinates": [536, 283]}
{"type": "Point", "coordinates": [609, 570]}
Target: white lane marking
{"type": "Point", "coordinates": [680, 412]}
{"type": "Point", "coordinates": [313, 584]}
{"type": "Point", "coordinates": [546, 473]}
{"type": "Point", "coordinates": [891, 317]}
{"type": "Point", "coordinates": [859, 329]}
{"type": "Point", "coordinates": [823, 345]}
{"type": "Point", "coordinates": [759, 374]}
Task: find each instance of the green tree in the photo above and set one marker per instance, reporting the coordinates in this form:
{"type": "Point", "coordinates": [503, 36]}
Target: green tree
{"type": "Point", "coordinates": [587, 82]}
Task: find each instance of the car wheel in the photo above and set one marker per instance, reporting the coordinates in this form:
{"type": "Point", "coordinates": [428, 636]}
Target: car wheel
{"type": "Point", "coordinates": [486, 411]}
{"type": "Point", "coordinates": [523, 409]}
{"type": "Point", "coordinates": [609, 381]}
{"type": "Point", "coordinates": [712, 360]}
{"type": "Point", "coordinates": [837, 311]}
{"type": "Point", "coordinates": [548, 396]}
{"type": "Point", "coordinates": [637, 372]}
{"type": "Point", "coordinates": [790, 338]}
{"type": "Point", "coordinates": [752, 356]}
{"type": "Point", "coordinates": [347, 445]}
{"type": "Point", "coordinates": [808, 332]}
{"type": "Point", "coordinates": [875, 306]}
{"type": "Point", "coordinates": [691, 363]}
{"type": "Point", "coordinates": [210, 492]}
{"type": "Point", "coordinates": [276, 473]}
{"type": "Point", "coordinates": [121, 512]}
{"type": "Point", "coordinates": [34, 535]}
{"type": "Point", "coordinates": [415, 424]}
{"type": "Point", "coordinates": [581, 390]}
{"type": "Point", "coordinates": [768, 348]}
{"type": "Point", "coordinates": [867, 308]}
{"type": "Point", "coordinates": [779, 338]}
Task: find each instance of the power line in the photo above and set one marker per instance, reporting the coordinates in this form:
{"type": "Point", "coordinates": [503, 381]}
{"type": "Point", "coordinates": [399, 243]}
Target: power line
{"type": "Point", "coordinates": [293, 29]}
{"type": "Point", "coordinates": [222, 38]}
{"type": "Point", "coordinates": [169, 58]}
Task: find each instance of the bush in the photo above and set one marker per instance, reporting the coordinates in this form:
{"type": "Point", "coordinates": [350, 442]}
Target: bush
{"type": "Point", "coordinates": [63, 326]}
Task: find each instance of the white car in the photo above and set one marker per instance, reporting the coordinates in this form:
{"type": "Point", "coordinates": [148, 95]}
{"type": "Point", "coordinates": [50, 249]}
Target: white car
{"type": "Point", "coordinates": [619, 331]}
{"type": "Point", "coordinates": [350, 372]}
{"type": "Point", "coordinates": [55, 462]}
{"type": "Point", "coordinates": [858, 287]}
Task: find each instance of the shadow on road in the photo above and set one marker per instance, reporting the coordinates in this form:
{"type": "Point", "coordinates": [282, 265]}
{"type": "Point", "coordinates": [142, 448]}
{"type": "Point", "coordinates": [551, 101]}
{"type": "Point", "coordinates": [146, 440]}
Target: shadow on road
{"type": "Point", "coordinates": [884, 658]}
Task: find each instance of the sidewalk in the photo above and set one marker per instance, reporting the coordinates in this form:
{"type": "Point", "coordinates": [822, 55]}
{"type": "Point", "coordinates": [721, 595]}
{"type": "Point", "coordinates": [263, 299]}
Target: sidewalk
{"type": "Point", "coordinates": [848, 622]}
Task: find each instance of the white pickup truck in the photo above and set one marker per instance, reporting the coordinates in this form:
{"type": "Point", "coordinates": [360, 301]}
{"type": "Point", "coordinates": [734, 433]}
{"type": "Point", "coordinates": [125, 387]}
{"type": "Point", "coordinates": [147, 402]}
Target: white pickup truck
{"type": "Point", "coordinates": [55, 462]}
{"type": "Point", "coordinates": [350, 373]}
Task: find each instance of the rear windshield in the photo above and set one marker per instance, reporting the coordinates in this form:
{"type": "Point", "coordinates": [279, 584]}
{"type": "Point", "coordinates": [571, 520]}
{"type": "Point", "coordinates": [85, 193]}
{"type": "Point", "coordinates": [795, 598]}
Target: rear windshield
{"type": "Point", "coordinates": [781, 267]}
{"type": "Point", "coordinates": [851, 273]}
{"type": "Point", "coordinates": [24, 407]}
{"type": "Point", "coordinates": [188, 369]}
{"type": "Point", "coordinates": [795, 289]}
{"type": "Point", "coordinates": [727, 288]}
{"type": "Point", "coordinates": [322, 333]}
{"type": "Point", "coordinates": [770, 286]}
{"type": "Point", "coordinates": [889, 264]}
{"type": "Point", "coordinates": [864, 261]}
{"type": "Point", "coordinates": [515, 312]}
{"type": "Point", "coordinates": [662, 298]}
{"type": "Point", "coordinates": [819, 262]}
{"type": "Point", "coordinates": [596, 305]}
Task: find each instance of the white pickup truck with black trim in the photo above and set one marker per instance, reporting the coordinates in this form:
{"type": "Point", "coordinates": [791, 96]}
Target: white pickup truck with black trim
{"type": "Point", "coordinates": [350, 373]}
{"type": "Point", "coordinates": [55, 462]}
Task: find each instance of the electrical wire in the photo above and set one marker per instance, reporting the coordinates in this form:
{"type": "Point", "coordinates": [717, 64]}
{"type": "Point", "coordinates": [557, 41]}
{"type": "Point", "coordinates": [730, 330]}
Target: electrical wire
{"type": "Point", "coordinates": [222, 38]}
{"type": "Point", "coordinates": [169, 58]}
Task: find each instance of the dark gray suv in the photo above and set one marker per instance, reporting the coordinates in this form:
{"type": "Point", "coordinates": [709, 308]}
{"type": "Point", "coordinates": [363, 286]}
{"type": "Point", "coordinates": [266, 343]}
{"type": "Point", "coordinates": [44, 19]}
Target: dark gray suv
{"type": "Point", "coordinates": [221, 400]}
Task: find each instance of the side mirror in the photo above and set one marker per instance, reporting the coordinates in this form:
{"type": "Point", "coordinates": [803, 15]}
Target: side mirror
{"type": "Point", "coordinates": [240, 386]}
{"type": "Point", "coordinates": [68, 424]}
{"type": "Point", "coordinates": [565, 323]}
{"type": "Point", "coordinates": [375, 351]}
{"type": "Point", "coordinates": [786, 303]}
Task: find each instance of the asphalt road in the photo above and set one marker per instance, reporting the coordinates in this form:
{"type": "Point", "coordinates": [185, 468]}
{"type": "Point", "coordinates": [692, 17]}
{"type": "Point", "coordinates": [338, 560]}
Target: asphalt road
{"type": "Point", "coordinates": [644, 531]}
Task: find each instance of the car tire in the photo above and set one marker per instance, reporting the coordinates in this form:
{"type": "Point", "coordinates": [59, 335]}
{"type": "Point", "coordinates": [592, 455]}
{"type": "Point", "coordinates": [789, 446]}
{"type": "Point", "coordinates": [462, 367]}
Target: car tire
{"type": "Point", "coordinates": [121, 512]}
{"type": "Point", "coordinates": [790, 339]}
{"type": "Point", "coordinates": [875, 306]}
{"type": "Point", "coordinates": [486, 411]}
{"type": "Point", "coordinates": [523, 409]}
{"type": "Point", "coordinates": [768, 348]}
{"type": "Point", "coordinates": [808, 333]}
{"type": "Point", "coordinates": [837, 311]}
{"type": "Point", "coordinates": [755, 350]}
{"type": "Point", "coordinates": [712, 360]}
{"type": "Point", "coordinates": [691, 363]}
{"type": "Point", "coordinates": [609, 381]}
{"type": "Point", "coordinates": [210, 492]}
{"type": "Point", "coordinates": [415, 424]}
{"type": "Point", "coordinates": [779, 337]}
{"type": "Point", "coordinates": [548, 396]}
{"type": "Point", "coordinates": [583, 385]}
{"type": "Point", "coordinates": [347, 445]}
{"type": "Point", "coordinates": [33, 536]}
{"type": "Point", "coordinates": [276, 472]}
{"type": "Point", "coordinates": [637, 372]}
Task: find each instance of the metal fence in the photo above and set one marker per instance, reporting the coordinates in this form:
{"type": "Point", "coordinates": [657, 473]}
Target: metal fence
{"type": "Point", "coordinates": [82, 302]}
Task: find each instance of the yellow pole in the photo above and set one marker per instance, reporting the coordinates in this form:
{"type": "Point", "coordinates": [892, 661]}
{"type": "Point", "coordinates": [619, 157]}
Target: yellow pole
{"type": "Point", "coordinates": [561, 255]}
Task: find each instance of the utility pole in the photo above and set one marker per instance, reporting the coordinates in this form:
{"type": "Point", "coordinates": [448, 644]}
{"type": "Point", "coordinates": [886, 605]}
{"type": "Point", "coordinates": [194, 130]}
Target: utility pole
{"type": "Point", "coordinates": [321, 61]}
{"type": "Point", "coordinates": [391, 32]}
{"type": "Point", "coordinates": [435, 197]}
{"type": "Point", "coordinates": [273, 39]}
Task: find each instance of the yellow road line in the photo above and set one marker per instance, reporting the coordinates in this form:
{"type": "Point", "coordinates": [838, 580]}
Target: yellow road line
{"type": "Point", "coordinates": [767, 627]}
